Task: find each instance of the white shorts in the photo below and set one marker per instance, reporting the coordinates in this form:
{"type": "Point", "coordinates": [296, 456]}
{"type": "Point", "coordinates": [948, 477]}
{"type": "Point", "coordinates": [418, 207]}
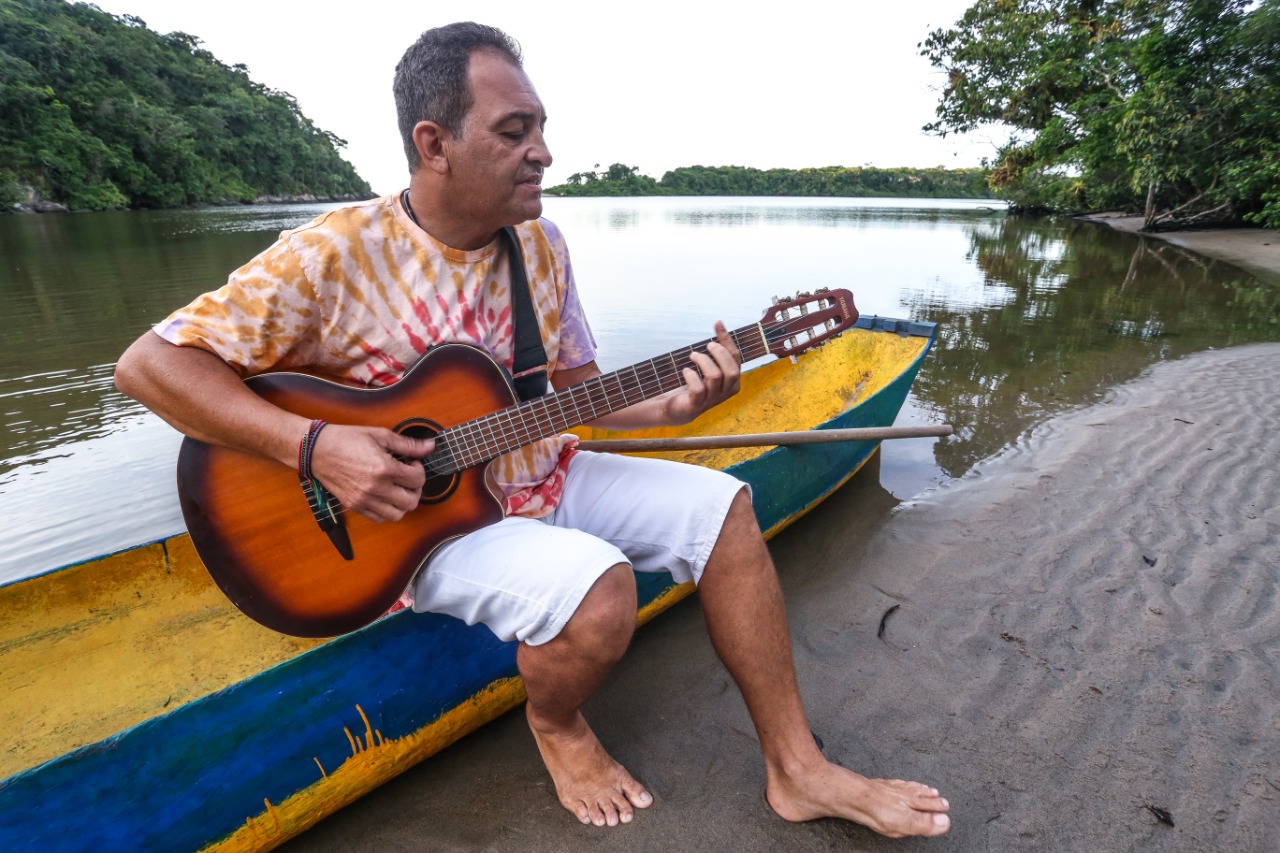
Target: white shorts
{"type": "Point", "coordinates": [524, 578]}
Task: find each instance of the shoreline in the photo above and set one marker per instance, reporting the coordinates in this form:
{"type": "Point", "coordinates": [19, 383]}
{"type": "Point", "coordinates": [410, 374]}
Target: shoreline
{"type": "Point", "coordinates": [40, 206]}
{"type": "Point", "coordinates": [1255, 250]}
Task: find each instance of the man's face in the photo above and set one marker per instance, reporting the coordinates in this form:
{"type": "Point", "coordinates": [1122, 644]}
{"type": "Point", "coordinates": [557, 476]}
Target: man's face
{"type": "Point", "coordinates": [496, 163]}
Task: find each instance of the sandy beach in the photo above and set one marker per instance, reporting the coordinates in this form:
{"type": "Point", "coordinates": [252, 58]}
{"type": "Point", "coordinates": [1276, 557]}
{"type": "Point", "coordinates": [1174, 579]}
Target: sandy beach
{"type": "Point", "coordinates": [1078, 642]}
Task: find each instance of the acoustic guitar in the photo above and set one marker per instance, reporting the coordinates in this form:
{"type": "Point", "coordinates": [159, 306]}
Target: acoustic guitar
{"type": "Point", "coordinates": [300, 566]}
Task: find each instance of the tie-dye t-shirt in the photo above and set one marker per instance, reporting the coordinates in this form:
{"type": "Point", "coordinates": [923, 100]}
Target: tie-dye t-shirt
{"type": "Point", "coordinates": [360, 293]}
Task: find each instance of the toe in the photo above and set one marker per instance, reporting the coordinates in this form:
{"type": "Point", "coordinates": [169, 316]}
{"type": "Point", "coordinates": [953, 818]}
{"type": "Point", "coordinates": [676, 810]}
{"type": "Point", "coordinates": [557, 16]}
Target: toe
{"type": "Point", "coordinates": [637, 795]}
{"type": "Point", "coordinates": [623, 808]}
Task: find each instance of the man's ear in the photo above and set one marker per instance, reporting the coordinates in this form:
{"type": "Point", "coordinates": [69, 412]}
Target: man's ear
{"type": "Point", "coordinates": [429, 138]}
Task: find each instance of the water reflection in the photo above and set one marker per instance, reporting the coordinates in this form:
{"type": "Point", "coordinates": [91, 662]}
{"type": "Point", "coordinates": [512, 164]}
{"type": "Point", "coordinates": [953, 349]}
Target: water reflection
{"type": "Point", "coordinates": [1035, 316]}
{"type": "Point", "coordinates": [1076, 309]}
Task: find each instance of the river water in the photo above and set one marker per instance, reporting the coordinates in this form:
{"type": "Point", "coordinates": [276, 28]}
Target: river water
{"type": "Point", "coordinates": [1036, 316]}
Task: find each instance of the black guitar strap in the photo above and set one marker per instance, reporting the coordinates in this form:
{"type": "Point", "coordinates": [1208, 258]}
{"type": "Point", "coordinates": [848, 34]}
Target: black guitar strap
{"type": "Point", "coordinates": [529, 371]}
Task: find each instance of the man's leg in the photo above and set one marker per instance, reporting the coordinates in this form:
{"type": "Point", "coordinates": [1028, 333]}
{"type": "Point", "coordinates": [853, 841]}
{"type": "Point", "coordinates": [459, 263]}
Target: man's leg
{"type": "Point", "coordinates": [559, 676]}
{"type": "Point", "coordinates": [570, 599]}
{"type": "Point", "coordinates": [747, 622]}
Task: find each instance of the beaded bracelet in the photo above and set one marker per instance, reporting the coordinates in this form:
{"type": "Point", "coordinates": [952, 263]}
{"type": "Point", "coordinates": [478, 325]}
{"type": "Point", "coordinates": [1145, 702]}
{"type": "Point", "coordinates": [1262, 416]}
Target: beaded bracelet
{"type": "Point", "coordinates": [306, 448]}
{"type": "Point", "coordinates": [323, 505]}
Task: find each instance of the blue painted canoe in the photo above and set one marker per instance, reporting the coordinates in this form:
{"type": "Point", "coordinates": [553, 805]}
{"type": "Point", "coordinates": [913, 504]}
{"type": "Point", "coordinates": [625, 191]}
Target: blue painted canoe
{"type": "Point", "coordinates": [145, 713]}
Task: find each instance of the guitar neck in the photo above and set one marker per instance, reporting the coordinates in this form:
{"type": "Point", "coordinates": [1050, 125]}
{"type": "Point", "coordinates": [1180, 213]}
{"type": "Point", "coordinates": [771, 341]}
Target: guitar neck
{"type": "Point", "coordinates": [476, 442]}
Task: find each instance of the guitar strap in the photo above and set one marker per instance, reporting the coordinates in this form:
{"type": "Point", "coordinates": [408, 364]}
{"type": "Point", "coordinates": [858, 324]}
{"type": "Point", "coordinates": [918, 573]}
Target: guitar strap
{"type": "Point", "coordinates": [529, 371]}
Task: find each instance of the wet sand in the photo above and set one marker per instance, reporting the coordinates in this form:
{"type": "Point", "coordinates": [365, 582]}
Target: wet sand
{"type": "Point", "coordinates": [1086, 638]}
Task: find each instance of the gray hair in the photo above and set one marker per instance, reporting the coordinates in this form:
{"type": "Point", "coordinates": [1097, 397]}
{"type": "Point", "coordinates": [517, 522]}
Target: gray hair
{"type": "Point", "coordinates": [431, 78]}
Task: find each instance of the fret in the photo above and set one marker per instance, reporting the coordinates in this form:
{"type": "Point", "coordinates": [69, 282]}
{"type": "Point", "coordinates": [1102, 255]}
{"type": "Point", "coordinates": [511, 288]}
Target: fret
{"type": "Point", "coordinates": [577, 410]}
{"type": "Point", "coordinates": [608, 399]}
{"type": "Point", "coordinates": [511, 426]}
{"type": "Point", "coordinates": [562, 416]}
{"type": "Point", "coordinates": [484, 435]}
{"type": "Point", "coordinates": [622, 391]}
{"type": "Point", "coordinates": [542, 415]}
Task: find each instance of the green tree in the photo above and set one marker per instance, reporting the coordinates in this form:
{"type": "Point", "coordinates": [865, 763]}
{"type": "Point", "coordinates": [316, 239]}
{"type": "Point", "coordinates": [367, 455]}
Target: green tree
{"type": "Point", "coordinates": [101, 112]}
{"type": "Point", "coordinates": [1164, 106]}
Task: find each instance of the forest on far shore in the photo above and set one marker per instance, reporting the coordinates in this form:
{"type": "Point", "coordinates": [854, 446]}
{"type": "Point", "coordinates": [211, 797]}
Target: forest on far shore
{"type": "Point", "coordinates": [100, 112]}
{"type": "Point", "coordinates": [832, 181]}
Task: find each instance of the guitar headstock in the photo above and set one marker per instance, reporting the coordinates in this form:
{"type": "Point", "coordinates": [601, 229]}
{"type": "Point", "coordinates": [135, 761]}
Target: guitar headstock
{"type": "Point", "coordinates": [792, 326]}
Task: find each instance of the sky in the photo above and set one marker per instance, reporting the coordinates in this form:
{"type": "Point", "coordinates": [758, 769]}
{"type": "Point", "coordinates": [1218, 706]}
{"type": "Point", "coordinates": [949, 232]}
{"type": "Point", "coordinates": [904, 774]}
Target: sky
{"type": "Point", "coordinates": [654, 85]}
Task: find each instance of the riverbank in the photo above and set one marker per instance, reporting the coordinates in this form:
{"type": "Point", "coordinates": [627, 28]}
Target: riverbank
{"type": "Point", "coordinates": [1256, 250]}
{"type": "Point", "coordinates": [32, 203]}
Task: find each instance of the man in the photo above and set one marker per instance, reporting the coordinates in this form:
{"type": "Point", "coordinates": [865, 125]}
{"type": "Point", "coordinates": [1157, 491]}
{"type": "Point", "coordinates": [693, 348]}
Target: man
{"type": "Point", "coordinates": [362, 292]}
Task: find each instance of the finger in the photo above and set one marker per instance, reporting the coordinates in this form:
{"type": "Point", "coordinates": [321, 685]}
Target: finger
{"type": "Point", "coordinates": [371, 512]}
{"type": "Point", "coordinates": [712, 374]}
{"type": "Point", "coordinates": [694, 387]}
{"type": "Point", "coordinates": [726, 341]}
{"type": "Point", "coordinates": [391, 507]}
{"type": "Point", "coordinates": [403, 445]}
{"type": "Point", "coordinates": [726, 361]}
{"type": "Point", "coordinates": [707, 365]}
{"type": "Point", "coordinates": [408, 473]}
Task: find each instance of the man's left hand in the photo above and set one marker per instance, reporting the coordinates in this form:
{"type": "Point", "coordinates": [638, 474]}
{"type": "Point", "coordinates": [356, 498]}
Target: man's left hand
{"type": "Point", "coordinates": [715, 380]}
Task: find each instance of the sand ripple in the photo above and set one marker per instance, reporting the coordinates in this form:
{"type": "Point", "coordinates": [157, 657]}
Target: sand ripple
{"type": "Point", "coordinates": [1096, 620]}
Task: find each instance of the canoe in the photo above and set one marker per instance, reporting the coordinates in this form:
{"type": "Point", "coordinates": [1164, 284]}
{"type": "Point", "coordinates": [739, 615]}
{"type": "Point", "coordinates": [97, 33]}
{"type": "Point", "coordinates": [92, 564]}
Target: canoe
{"type": "Point", "coordinates": [145, 713]}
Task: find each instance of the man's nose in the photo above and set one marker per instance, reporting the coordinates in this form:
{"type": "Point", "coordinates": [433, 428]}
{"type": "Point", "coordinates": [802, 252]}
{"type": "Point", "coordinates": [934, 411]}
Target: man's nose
{"type": "Point", "coordinates": [539, 152]}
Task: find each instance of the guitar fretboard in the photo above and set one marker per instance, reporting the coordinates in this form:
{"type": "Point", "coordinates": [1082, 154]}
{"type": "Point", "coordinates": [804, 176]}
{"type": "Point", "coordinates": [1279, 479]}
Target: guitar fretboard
{"type": "Point", "coordinates": [476, 442]}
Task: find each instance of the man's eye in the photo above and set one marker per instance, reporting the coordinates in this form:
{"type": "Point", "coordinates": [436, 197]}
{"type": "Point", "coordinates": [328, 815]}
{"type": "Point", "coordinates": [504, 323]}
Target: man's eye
{"type": "Point", "coordinates": [514, 135]}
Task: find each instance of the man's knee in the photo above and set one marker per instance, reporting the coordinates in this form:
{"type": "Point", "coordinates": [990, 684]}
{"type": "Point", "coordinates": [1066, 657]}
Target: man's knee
{"type": "Point", "coordinates": [741, 517]}
{"type": "Point", "coordinates": [606, 618]}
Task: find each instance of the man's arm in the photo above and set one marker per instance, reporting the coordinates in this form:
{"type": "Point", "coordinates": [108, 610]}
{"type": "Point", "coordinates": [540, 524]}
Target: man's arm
{"type": "Point", "coordinates": [201, 396]}
{"type": "Point", "coordinates": [716, 382]}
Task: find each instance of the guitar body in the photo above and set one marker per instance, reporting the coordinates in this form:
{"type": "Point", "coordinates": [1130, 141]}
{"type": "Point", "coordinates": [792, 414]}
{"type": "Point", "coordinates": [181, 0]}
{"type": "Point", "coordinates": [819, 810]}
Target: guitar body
{"type": "Point", "coordinates": [254, 531]}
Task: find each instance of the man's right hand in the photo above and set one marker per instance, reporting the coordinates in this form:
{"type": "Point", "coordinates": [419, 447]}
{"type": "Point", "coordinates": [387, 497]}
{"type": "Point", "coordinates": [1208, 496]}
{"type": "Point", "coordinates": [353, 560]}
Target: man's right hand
{"type": "Point", "coordinates": [199, 394]}
{"type": "Point", "coordinates": [370, 470]}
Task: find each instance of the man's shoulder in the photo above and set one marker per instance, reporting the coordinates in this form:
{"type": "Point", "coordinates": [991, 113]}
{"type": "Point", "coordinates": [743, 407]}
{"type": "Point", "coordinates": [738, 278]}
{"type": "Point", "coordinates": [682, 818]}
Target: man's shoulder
{"type": "Point", "coordinates": [347, 220]}
{"type": "Point", "coordinates": [542, 230]}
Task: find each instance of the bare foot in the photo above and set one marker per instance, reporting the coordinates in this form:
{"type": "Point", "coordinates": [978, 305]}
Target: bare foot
{"type": "Point", "coordinates": [891, 807]}
{"type": "Point", "coordinates": [588, 781]}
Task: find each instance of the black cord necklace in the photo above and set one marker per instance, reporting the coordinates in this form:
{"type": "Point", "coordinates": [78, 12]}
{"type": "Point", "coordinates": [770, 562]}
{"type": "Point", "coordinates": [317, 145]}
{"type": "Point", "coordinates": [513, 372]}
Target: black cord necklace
{"type": "Point", "coordinates": [408, 208]}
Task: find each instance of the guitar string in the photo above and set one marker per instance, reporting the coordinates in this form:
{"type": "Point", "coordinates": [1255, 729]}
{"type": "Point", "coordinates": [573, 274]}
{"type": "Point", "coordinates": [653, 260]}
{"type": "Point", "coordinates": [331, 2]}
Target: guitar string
{"type": "Point", "coordinates": [483, 438]}
{"type": "Point", "coordinates": [477, 451]}
{"type": "Point", "coordinates": [479, 441]}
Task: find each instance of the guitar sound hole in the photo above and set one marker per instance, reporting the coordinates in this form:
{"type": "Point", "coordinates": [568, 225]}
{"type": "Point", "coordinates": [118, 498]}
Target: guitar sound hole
{"type": "Point", "coordinates": [438, 486]}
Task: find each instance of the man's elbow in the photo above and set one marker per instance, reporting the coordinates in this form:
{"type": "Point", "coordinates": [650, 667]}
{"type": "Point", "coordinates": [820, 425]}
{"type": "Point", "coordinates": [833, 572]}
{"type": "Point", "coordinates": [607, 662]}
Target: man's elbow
{"type": "Point", "coordinates": [130, 369]}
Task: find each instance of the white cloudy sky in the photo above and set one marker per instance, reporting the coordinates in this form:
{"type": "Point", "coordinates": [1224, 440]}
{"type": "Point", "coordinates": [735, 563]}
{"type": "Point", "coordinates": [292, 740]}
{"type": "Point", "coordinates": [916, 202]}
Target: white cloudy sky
{"type": "Point", "coordinates": [655, 85]}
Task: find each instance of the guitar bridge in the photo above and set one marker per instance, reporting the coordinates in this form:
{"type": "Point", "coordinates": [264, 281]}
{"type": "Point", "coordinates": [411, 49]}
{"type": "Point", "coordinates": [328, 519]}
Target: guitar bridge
{"type": "Point", "coordinates": [327, 512]}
